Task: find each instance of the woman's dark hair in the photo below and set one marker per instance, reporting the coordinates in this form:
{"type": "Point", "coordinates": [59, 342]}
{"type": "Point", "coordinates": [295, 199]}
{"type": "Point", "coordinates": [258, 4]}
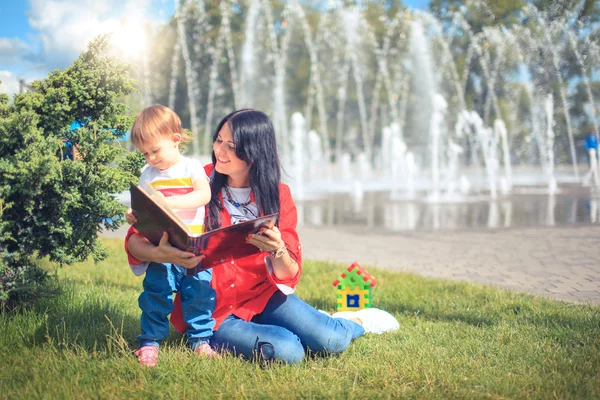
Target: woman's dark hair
{"type": "Point", "coordinates": [255, 143]}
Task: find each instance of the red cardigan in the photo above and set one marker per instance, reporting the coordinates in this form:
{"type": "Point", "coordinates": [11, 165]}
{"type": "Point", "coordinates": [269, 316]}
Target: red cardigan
{"type": "Point", "coordinates": [244, 286]}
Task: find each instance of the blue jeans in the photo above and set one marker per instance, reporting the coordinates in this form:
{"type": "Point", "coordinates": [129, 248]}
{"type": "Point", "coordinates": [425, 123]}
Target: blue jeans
{"type": "Point", "coordinates": [156, 303]}
{"type": "Point", "coordinates": [284, 331]}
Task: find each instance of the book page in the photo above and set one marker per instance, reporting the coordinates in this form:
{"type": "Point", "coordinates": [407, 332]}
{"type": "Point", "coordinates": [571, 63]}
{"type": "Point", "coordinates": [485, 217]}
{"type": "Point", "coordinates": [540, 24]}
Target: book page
{"type": "Point", "coordinates": [160, 199]}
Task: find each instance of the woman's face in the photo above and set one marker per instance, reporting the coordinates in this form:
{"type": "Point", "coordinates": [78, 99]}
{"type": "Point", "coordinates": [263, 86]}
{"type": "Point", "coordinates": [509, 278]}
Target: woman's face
{"type": "Point", "coordinates": [227, 163]}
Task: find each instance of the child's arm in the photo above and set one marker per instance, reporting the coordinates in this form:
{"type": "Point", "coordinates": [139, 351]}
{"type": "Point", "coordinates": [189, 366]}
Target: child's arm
{"type": "Point", "coordinates": [197, 198]}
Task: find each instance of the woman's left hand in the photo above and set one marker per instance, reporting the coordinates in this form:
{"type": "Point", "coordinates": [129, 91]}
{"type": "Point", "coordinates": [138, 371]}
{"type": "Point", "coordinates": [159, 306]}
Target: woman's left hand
{"type": "Point", "coordinates": [268, 240]}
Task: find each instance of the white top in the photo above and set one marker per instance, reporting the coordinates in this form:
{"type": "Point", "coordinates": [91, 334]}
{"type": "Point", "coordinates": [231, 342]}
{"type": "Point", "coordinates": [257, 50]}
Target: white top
{"type": "Point", "coordinates": [175, 181]}
{"type": "Point", "coordinates": [242, 213]}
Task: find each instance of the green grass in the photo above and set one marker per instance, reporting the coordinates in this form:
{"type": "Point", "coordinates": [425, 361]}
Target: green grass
{"type": "Point", "coordinates": [456, 340]}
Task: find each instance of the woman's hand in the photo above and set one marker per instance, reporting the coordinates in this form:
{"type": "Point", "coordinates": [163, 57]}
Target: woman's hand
{"type": "Point", "coordinates": [164, 252]}
{"type": "Point", "coordinates": [267, 239]}
{"type": "Point", "coordinates": [130, 217]}
{"type": "Point", "coordinates": [143, 250]}
{"type": "Point", "coordinates": [284, 267]}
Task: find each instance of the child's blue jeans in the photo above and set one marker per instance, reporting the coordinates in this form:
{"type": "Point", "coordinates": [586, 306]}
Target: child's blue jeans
{"type": "Point", "coordinates": [284, 331]}
{"type": "Point", "coordinates": [156, 303]}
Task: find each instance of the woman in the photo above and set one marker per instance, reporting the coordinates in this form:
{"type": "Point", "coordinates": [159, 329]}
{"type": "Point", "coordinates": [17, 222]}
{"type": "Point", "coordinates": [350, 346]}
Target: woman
{"type": "Point", "coordinates": [257, 315]}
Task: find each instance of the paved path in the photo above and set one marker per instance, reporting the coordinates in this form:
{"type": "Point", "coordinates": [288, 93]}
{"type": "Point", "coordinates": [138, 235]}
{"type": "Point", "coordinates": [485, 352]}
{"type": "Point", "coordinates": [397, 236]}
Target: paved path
{"type": "Point", "coordinates": [560, 262]}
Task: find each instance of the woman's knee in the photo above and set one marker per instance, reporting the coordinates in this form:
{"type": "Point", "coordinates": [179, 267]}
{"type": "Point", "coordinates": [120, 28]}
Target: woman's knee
{"type": "Point", "coordinates": [288, 350]}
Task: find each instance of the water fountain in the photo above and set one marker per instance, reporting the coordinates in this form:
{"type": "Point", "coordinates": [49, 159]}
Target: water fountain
{"type": "Point", "coordinates": [386, 115]}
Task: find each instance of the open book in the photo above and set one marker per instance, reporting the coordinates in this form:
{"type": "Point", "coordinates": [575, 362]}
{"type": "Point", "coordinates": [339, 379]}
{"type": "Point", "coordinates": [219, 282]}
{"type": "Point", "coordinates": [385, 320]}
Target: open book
{"type": "Point", "coordinates": [154, 217]}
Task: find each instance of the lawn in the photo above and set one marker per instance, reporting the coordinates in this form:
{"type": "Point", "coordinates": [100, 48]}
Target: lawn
{"type": "Point", "coordinates": [456, 340]}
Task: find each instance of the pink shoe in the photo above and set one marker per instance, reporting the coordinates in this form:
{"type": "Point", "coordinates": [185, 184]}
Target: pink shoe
{"type": "Point", "coordinates": [147, 356]}
{"type": "Point", "coordinates": [205, 350]}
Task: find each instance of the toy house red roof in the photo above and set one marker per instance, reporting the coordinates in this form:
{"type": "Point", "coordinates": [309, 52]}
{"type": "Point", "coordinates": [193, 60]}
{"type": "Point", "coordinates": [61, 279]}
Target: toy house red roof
{"type": "Point", "coordinates": [360, 271]}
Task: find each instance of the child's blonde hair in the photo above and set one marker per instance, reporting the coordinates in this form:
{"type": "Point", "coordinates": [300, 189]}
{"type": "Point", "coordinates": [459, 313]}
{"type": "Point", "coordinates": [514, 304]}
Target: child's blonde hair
{"type": "Point", "coordinates": [157, 122]}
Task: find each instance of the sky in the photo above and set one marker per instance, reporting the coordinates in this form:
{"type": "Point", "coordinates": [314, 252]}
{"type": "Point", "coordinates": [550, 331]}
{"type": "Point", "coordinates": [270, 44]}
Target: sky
{"type": "Point", "coordinates": [37, 36]}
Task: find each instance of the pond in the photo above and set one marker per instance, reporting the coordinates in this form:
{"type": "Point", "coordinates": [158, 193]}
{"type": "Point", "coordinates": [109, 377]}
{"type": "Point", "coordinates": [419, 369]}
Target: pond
{"type": "Point", "coordinates": [377, 213]}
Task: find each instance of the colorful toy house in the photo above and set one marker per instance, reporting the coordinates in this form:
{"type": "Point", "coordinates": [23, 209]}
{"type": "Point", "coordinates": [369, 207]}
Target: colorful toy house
{"type": "Point", "coordinates": [354, 289]}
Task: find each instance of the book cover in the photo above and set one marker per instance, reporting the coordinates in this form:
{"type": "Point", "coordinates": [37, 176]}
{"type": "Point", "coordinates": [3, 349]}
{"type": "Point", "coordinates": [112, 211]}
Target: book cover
{"type": "Point", "coordinates": [154, 218]}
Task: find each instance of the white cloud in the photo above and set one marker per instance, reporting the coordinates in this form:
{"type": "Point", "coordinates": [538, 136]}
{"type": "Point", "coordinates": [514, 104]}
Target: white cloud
{"type": "Point", "coordinates": [13, 51]}
{"type": "Point", "coordinates": [62, 29]}
{"type": "Point", "coordinates": [10, 83]}
{"type": "Point", "coordinates": [65, 27]}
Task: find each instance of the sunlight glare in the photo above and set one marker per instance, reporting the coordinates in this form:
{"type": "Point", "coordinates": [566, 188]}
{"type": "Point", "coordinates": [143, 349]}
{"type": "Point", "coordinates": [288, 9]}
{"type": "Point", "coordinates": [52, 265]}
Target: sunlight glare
{"type": "Point", "coordinates": [130, 39]}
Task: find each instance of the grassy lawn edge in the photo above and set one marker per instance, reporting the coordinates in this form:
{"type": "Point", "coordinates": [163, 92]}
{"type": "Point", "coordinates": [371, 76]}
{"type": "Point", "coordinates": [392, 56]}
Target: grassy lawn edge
{"type": "Point", "coordinates": [456, 340]}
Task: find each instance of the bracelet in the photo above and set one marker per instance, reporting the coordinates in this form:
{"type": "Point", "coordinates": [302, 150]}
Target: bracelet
{"type": "Point", "coordinates": [278, 253]}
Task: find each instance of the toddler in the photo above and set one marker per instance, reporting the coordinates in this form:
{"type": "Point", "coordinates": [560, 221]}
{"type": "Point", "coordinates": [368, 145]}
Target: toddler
{"type": "Point", "coordinates": [157, 133]}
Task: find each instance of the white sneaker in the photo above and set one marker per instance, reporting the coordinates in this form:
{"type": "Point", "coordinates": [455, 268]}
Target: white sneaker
{"type": "Point", "coordinates": [344, 314]}
{"type": "Point", "coordinates": [373, 320]}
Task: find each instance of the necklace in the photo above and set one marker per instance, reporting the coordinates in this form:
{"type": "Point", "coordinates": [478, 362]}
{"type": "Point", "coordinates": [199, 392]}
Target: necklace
{"type": "Point", "coordinates": [232, 201]}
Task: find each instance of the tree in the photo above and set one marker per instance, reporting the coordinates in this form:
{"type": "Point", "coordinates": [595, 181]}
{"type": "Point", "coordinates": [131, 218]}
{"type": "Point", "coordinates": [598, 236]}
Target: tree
{"type": "Point", "coordinates": [52, 205]}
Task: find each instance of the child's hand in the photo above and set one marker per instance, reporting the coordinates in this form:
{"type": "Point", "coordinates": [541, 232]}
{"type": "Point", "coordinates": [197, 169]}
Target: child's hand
{"type": "Point", "coordinates": [161, 199]}
{"type": "Point", "coordinates": [160, 196]}
{"type": "Point", "coordinates": [130, 217]}
{"type": "Point", "coordinates": [168, 201]}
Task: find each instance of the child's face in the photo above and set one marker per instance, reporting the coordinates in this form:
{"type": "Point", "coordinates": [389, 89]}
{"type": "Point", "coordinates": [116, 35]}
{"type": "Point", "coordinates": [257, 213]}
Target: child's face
{"type": "Point", "coordinates": [162, 153]}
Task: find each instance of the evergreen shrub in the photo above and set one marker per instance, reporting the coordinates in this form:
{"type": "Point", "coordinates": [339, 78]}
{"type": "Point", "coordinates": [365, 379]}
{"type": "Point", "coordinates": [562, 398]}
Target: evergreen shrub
{"type": "Point", "coordinates": [53, 205]}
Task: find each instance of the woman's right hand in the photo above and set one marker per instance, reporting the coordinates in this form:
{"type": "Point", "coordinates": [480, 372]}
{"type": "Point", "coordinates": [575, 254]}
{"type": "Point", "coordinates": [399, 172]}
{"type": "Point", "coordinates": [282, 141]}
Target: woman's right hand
{"type": "Point", "coordinates": [164, 252]}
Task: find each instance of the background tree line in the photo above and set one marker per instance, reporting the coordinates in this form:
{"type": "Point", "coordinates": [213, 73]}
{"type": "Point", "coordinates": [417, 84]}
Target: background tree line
{"type": "Point", "coordinates": [462, 23]}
